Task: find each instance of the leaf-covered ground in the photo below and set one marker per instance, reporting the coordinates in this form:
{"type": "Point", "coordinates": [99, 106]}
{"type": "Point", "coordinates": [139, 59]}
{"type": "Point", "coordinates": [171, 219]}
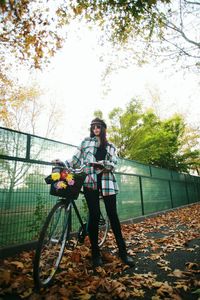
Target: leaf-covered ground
{"type": "Point", "coordinates": [166, 249]}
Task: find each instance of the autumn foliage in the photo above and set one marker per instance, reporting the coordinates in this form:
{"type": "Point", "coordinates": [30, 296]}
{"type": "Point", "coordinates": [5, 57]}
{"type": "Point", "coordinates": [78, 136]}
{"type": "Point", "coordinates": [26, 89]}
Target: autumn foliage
{"type": "Point", "coordinates": [167, 264]}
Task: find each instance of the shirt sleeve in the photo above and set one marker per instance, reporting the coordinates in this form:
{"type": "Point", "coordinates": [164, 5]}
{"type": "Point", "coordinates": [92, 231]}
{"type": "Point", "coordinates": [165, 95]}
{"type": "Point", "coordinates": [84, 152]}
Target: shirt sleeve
{"type": "Point", "coordinates": [111, 163]}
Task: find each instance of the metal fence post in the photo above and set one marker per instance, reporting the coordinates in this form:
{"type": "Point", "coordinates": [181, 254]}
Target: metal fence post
{"type": "Point", "coordinates": [170, 192]}
{"type": "Point", "coordinates": [28, 146]}
{"type": "Point", "coordinates": [141, 195]}
{"type": "Point", "coordinates": [186, 187]}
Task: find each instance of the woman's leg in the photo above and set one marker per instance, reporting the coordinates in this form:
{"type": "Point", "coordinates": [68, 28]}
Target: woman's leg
{"type": "Point", "coordinates": [92, 199]}
{"type": "Point", "coordinates": [111, 209]}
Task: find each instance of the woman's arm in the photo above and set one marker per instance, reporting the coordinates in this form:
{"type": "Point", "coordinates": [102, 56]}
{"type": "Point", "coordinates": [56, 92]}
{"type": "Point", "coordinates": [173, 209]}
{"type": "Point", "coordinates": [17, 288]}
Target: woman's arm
{"type": "Point", "coordinates": [111, 162]}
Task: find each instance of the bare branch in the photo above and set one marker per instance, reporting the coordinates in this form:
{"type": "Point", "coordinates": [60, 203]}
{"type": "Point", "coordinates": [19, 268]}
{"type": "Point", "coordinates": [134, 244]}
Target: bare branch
{"type": "Point", "coordinates": [192, 2]}
{"type": "Point", "coordinates": [180, 49]}
{"type": "Point", "coordinates": [181, 16]}
{"type": "Point", "coordinates": [174, 27]}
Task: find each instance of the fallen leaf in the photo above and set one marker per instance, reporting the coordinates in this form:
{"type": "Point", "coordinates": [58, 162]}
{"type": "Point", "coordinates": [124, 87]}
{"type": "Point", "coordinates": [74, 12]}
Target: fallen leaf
{"type": "Point", "coordinates": [26, 293]}
{"type": "Point", "coordinates": [5, 276]}
{"type": "Point", "coordinates": [177, 273]}
{"type": "Point", "coordinates": [76, 256]}
{"type": "Point", "coordinates": [191, 265]}
{"type": "Point", "coordinates": [18, 264]}
{"type": "Point", "coordinates": [182, 285]}
{"type": "Point", "coordinates": [76, 278]}
{"type": "Point", "coordinates": [155, 298]}
{"type": "Point", "coordinates": [157, 284]}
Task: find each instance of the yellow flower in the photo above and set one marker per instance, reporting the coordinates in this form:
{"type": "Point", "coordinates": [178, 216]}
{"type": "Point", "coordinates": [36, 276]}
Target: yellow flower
{"type": "Point", "coordinates": [61, 185]}
{"type": "Point", "coordinates": [55, 176]}
{"type": "Point", "coordinates": [69, 177]}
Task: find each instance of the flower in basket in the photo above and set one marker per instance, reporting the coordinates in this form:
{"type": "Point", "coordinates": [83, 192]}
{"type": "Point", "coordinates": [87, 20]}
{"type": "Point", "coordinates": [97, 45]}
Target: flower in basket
{"type": "Point", "coordinates": [55, 176]}
{"type": "Point", "coordinates": [63, 175]}
{"type": "Point", "coordinates": [63, 179]}
{"type": "Point", "coordinates": [69, 177]}
{"type": "Point", "coordinates": [61, 185]}
{"type": "Point", "coordinates": [71, 182]}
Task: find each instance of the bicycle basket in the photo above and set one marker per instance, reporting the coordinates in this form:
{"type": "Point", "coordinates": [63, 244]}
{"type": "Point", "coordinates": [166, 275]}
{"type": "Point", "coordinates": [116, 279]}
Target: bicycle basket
{"type": "Point", "coordinates": [65, 184]}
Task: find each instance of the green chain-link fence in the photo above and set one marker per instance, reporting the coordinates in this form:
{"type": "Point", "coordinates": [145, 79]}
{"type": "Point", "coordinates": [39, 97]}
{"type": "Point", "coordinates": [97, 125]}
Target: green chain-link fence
{"type": "Point", "coordinates": [25, 200]}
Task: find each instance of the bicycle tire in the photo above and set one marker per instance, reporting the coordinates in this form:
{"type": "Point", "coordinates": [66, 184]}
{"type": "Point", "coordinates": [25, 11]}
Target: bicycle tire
{"type": "Point", "coordinates": [51, 244]}
{"type": "Point", "coordinates": [104, 226]}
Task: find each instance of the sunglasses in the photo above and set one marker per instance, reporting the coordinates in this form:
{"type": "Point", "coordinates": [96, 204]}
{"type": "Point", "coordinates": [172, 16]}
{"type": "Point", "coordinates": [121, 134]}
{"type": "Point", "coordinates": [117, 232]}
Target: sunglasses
{"type": "Point", "coordinates": [95, 125]}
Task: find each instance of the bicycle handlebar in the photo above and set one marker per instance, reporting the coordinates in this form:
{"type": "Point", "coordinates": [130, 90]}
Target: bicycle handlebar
{"type": "Point", "coordinates": [70, 169]}
{"type": "Point", "coordinates": [59, 163]}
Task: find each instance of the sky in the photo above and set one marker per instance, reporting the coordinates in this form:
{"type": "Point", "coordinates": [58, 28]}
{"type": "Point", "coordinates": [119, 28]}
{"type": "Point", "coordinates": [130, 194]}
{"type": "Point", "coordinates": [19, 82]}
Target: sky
{"type": "Point", "coordinates": [74, 81]}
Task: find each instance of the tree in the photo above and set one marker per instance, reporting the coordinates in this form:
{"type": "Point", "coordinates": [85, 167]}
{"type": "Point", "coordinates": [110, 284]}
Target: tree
{"type": "Point", "coordinates": [189, 148]}
{"type": "Point", "coordinates": [115, 131]}
{"type": "Point", "coordinates": [98, 114]}
{"type": "Point", "coordinates": [182, 20]}
{"type": "Point", "coordinates": [23, 111]}
{"type": "Point", "coordinates": [179, 39]}
{"type": "Point", "coordinates": [20, 108]}
{"type": "Point", "coordinates": [122, 124]}
{"type": "Point", "coordinates": [143, 136]}
{"type": "Point", "coordinates": [31, 30]}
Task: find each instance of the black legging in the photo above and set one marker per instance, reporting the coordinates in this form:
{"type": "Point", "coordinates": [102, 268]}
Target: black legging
{"type": "Point", "coordinates": [92, 198]}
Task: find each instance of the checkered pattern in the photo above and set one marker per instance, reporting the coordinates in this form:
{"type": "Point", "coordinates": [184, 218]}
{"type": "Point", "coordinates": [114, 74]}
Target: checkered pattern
{"type": "Point", "coordinates": [86, 154]}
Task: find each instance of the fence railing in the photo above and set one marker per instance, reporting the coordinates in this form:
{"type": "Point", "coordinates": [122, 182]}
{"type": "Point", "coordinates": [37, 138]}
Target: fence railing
{"type": "Point", "coordinates": [25, 200]}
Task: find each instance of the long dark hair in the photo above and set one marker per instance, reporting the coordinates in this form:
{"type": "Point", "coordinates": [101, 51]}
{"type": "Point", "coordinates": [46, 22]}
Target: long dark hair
{"type": "Point", "coordinates": [102, 136]}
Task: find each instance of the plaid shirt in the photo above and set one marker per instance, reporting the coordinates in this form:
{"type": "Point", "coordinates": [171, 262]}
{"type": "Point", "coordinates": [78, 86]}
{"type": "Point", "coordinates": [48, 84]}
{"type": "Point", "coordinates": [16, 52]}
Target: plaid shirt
{"type": "Point", "coordinates": [86, 154]}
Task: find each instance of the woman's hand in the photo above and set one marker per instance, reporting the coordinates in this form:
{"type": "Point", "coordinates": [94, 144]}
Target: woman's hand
{"type": "Point", "coordinates": [97, 165]}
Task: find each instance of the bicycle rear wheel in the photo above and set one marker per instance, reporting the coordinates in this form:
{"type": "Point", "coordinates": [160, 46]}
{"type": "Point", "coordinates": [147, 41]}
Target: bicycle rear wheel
{"type": "Point", "coordinates": [51, 244]}
{"type": "Point", "coordinates": [103, 226]}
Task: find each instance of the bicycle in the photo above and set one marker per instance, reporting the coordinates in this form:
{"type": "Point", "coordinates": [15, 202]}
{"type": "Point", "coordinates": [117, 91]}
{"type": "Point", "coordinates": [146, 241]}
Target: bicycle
{"type": "Point", "coordinates": [56, 235]}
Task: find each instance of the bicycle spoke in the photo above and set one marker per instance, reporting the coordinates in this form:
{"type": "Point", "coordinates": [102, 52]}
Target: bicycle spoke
{"type": "Point", "coordinates": [51, 245]}
{"type": "Point", "coordinates": [103, 228]}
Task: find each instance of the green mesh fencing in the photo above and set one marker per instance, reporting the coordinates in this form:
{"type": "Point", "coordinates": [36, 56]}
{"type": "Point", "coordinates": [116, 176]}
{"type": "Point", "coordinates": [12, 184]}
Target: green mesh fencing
{"type": "Point", "coordinates": [156, 195]}
{"type": "Point", "coordinates": [24, 195]}
{"type": "Point", "coordinates": [179, 193]}
{"type": "Point", "coordinates": [161, 173]}
{"type": "Point", "coordinates": [192, 192]}
{"type": "Point", "coordinates": [129, 198]}
{"type": "Point", "coordinates": [47, 150]}
{"type": "Point", "coordinates": [177, 176]}
{"type": "Point", "coordinates": [133, 167]}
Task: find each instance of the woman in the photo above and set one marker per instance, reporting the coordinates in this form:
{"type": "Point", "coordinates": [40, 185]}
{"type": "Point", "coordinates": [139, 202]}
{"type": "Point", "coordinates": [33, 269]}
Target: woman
{"type": "Point", "coordinates": [100, 159]}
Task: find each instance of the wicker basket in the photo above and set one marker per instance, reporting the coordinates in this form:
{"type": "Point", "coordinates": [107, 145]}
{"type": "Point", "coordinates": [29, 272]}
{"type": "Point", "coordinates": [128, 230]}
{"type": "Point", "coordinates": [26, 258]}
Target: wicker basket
{"type": "Point", "coordinates": [71, 191]}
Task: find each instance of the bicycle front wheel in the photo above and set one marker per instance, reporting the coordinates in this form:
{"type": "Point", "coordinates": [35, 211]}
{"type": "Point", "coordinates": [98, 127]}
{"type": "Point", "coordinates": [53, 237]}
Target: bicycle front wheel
{"type": "Point", "coordinates": [51, 244]}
